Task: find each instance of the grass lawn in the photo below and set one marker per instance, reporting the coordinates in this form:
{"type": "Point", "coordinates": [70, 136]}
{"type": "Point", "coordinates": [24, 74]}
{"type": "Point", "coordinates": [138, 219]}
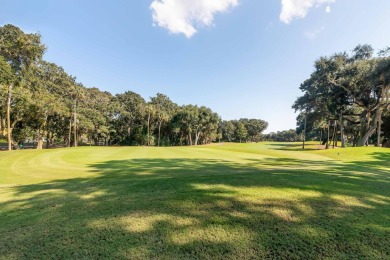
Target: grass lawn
{"type": "Point", "coordinates": [230, 201]}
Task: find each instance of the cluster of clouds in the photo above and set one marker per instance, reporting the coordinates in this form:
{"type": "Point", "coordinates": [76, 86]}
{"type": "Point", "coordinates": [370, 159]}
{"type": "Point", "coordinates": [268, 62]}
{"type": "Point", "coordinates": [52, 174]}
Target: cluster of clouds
{"type": "Point", "coordinates": [183, 16]}
{"type": "Point", "coordinates": [293, 9]}
{"type": "Point", "coordinates": [186, 16]}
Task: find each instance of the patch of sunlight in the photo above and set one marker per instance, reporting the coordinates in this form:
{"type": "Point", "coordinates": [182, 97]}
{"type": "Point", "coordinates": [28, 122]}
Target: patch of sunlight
{"type": "Point", "coordinates": [6, 186]}
{"type": "Point", "coordinates": [212, 234]}
{"type": "Point", "coordinates": [377, 227]}
{"type": "Point", "coordinates": [352, 154]}
{"type": "Point", "coordinates": [377, 199]}
{"type": "Point", "coordinates": [138, 172]}
{"type": "Point", "coordinates": [309, 231]}
{"type": "Point", "coordinates": [217, 189]}
{"type": "Point", "coordinates": [304, 209]}
{"type": "Point", "coordinates": [136, 252]}
{"type": "Point", "coordinates": [287, 210]}
{"type": "Point", "coordinates": [145, 223]}
{"type": "Point", "coordinates": [140, 223]}
{"type": "Point", "coordinates": [93, 195]}
{"type": "Point", "coordinates": [12, 195]}
{"type": "Point", "coordinates": [339, 212]}
{"type": "Point", "coordinates": [278, 192]}
{"type": "Point", "coordinates": [349, 201]}
{"type": "Point", "coordinates": [239, 214]}
{"type": "Point", "coordinates": [222, 204]}
{"type": "Point", "coordinates": [284, 214]}
{"type": "Point", "coordinates": [376, 252]}
{"type": "Point", "coordinates": [47, 191]}
{"type": "Point", "coordinates": [7, 195]}
{"type": "Point", "coordinates": [259, 192]}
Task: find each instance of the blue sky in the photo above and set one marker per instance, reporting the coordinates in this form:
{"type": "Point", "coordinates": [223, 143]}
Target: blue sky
{"type": "Point", "coordinates": [242, 58]}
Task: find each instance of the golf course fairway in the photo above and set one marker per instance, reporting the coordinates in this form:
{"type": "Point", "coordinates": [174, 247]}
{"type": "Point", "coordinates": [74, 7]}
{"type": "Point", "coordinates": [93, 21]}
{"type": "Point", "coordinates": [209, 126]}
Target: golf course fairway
{"type": "Point", "coordinates": [222, 201]}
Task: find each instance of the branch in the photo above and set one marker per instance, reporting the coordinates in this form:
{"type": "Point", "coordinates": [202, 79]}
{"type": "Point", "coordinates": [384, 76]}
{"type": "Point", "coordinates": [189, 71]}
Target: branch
{"type": "Point", "coordinates": [352, 122]}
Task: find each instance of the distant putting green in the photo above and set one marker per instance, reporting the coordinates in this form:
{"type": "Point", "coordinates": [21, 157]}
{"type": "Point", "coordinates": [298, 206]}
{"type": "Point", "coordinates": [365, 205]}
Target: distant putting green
{"type": "Point", "coordinates": [229, 201]}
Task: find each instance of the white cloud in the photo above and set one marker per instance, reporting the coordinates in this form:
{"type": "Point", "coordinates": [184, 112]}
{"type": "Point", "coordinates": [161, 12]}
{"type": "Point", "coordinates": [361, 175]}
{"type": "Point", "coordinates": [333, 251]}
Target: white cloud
{"type": "Point", "coordinates": [293, 9]}
{"type": "Point", "coordinates": [185, 16]}
{"type": "Point", "coordinates": [328, 9]}
{"type": "Point", "coordinates": [313, 34]}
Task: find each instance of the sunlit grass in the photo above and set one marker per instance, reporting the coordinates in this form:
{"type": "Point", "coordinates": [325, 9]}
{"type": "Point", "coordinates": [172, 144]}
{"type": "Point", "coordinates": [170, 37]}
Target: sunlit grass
{"type": "Point", "coordinates": [264, 200]}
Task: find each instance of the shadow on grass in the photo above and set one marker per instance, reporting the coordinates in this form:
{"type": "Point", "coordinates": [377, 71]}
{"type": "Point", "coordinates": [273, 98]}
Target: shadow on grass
{"type": "Point", "coordinates": [181, 208]}
{"type": "Point", "coordinates": [294, 146]}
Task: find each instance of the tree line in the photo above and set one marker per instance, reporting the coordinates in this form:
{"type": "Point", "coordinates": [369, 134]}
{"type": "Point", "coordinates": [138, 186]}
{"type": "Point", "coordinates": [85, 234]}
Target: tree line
{"type": "Point", "coordinates": [283, 136]}
{"type": "Point", "coordinates": [347, 98]}
{"type": "Point", "coordinates": [41, 102]}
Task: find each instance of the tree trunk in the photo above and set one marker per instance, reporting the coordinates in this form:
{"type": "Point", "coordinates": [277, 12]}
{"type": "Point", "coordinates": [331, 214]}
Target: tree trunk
{"type": "Point", "coordinates": [2, 127]}
{"type": "Point", "coordinates": [342, 137]}
{"type": "Point", "coordinates": [159, 130]}
{"type": "Point", "coordinates": [148, 127]}
{"type": "Point", "coordinates": [9, 118]}
{"type": "Point", "coordinates": [321, 136]}
{"type": "Point", "coordinates": [75, 128]}
{"type": "Point", "coordinates": [355, 138]}
{"type": "Point", "coordinates": [47, 140]}
{"type": "Point", "coordinates": [40, 141]}
{"type": "Point", "coordinates": [327, 141]}
{"type": "Point", "coordinates": [334, 133]}
{"type": "Point", "coordinates": [371, 130]}
{"type": "Point", "coordinates": [379, 141]}
{"type": "Point", "coordinates": [189, 138]}
{"type": "Point", "coordinates": [304, 134]}
{"type": "Point", "coordinates": [364, 140]}
{"type": "Point", "coordinates": [47, 131]}
{"type": "Point", "coordinates": [70, 131]}
{"type": "Point", "coordinates": [197, 135]}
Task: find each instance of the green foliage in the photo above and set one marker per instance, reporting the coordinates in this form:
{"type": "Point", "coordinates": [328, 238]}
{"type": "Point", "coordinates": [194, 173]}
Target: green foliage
{"type": "Point", "coordinates": [351, 91]}
{"type": "Point", "coordinates": [283, 136]}
{"type": "Point", "coordinates": [48, 102]}
{"type": "Point", "coordinates": [6, 74]}
{"type": "Point", "coordinates": [19, 49]}
{"type": "Point", "coordinates": [242, 130]}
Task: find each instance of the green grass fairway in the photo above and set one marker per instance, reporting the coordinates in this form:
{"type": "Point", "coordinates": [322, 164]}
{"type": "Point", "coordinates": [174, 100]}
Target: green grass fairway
{"type": "Point", "coordinates": [230, 201]}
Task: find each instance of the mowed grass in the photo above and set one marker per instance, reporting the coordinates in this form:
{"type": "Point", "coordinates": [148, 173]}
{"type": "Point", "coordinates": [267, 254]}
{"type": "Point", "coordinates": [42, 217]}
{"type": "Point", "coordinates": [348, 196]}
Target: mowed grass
{"type": "Point", "coordinates": [230, 201]}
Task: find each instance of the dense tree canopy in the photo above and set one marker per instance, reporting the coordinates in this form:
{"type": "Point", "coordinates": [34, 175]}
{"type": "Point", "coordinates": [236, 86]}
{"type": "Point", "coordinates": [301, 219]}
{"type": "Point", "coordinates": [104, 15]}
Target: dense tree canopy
{"type": "Point", "coordinates": [243, 130]}
{"type": "Point", "coordinates": [283, 136]}
{"type": "Point", "coordinates": [350, 93]}
{"type": "Point", "coordinates": [42, 103]}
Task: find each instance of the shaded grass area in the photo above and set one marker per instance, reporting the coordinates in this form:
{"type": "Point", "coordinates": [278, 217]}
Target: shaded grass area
{"type": "Point", "coordinates": [219, 202]}
{"type": "Point", "coordinates": [296, 146]}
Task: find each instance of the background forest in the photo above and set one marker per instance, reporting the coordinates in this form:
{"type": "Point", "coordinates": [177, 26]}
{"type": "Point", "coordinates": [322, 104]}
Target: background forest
{"type": "Point", "coordinates": [45, 105]}
{"type": "Point", "coordinates": [346, 98]}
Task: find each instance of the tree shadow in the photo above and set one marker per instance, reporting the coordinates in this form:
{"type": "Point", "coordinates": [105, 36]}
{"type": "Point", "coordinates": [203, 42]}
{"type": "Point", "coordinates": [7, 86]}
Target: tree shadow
{"type": "Point", "coordinates": [294, 146]}
{"type": "Point", "coordinates": [381, 160]}
{"type": "Point", "coordinates": [204, 208]}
